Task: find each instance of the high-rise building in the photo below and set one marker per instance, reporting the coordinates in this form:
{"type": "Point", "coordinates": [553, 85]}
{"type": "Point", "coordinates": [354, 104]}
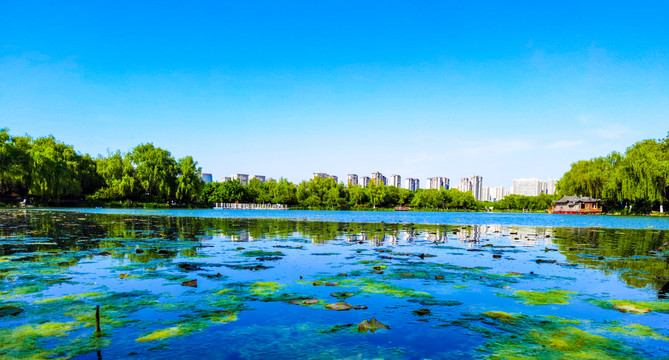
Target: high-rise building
{"type": "Point", "coordinates": [438, 183]}
{"type": "Point", "coordinates": [527, 187]}
{"type": "Point", "coordinates": [411, 184]}
{"type": "Point", "coordinates": [497, 193]}
{"type": "Point", "coordinates": [260, 178]}
{"type": "Point", "coordinates": [352, 179]}
{"type": "Point", "coordinates": [243, 178]}
{"type": "Point", "coordinates": [207, 178]}
{"type": "Point", "coordinates": [225, 178]}
{"type": "Point", "coordinates": [477, 186]}
{"type": "Point", "coordinates": [365, 181]}
{"type": "Point", "coordinates": [465, 185]}
{"type": "Point", "coordinates": [325, 176]}
{"type": "Point", "coordinates": [548, 187]}
{"type": "Point", "coordinates": [379, 178]}
{"type": "Point", "coordinates": [485, 194]}
{"type": "Point", "coordinates": [395, 180]}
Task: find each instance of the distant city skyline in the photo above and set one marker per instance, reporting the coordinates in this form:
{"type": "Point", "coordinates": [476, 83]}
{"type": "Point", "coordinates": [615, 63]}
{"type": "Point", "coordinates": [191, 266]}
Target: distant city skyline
{"type": "Point", "coordinates": [475, 184]}
{"type": "Point", "coordinates": [503, 90]}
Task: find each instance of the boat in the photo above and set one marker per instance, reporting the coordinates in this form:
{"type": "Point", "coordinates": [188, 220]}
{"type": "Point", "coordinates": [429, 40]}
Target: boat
{"type": "Point", "coordinates": [402, 208]}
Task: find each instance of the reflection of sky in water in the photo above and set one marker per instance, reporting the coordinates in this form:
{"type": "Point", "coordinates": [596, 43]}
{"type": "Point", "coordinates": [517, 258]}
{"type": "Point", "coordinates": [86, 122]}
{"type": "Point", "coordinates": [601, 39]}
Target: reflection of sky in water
{"type": "Point", "coordinates": [464, 218]}
{"type": "Point", "coordinates": [467, 270]}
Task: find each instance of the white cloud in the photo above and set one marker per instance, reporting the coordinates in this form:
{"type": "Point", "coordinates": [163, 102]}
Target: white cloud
{"type": "Point", "coordinates": [564, 144]}
{"type": "Point", "coordinates": [612, 131]}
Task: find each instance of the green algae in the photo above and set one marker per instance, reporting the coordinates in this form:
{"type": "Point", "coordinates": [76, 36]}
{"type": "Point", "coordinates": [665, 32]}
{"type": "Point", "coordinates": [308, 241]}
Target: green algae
{"type": "Point", "coordinates": [435, 302]}
{"type": "Point", "coordinates": [378, 287]}
{"type": "Point", "coordinates": [635, 307]}
{"type": "Point", "coordinates": [525, 337]}
{"type": "Point", "coordinates": [68, 297]}
{"type": "Point", "coordinates": [22, 290]}
{"type": "Point", "coordinates": [638, 330]}
{"type": "Point", "coordinates": [554, 296]}
{"type": "Point", "coordinates": [162, 334]}
{"type": "Point", "coordinates": [27, 341]}
{"type": "Point", "coordinates": [500, 315]}
{"type": "Point", "coordinates": [265, 289]}
{"type": "Point", "coordinates": [261, 253]}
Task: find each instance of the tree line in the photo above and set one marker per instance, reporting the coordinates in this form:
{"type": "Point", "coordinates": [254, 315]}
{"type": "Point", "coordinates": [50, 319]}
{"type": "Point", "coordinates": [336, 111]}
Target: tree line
{"type": "Point", "coordinates": [48, 171]}
{"type": "Point", "coordinates": [635, 181]}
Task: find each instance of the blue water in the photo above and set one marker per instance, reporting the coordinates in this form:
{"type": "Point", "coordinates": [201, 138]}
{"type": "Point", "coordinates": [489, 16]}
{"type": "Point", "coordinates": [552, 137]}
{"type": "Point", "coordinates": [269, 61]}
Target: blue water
{"type": "Point", "coordinates": [450, 218]}
{"type": "Point", "coordinates": [57, 265]}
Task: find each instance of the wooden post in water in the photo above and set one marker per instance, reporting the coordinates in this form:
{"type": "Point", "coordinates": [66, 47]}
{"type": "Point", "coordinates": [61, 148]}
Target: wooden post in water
{"type": "Point", "coordinates": [97, 320]}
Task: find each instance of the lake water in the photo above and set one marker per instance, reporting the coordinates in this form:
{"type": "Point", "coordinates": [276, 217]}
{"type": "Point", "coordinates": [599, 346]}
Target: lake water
{"type": "Point", "coordinates": [303, 284]}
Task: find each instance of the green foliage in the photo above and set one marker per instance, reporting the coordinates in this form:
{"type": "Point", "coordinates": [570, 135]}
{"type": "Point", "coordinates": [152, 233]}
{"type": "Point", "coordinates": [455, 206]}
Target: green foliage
{"type": "Point", "coordinates": [639, 177]}
{"type": "Point", "coordinates": [522, 202]}
{"type": "Point", "coordinates": [189, 184]}
{"type": "Point", "coordinates": [156, 171]}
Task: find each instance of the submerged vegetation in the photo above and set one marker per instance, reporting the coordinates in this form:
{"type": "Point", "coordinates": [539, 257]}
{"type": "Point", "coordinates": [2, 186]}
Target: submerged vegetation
{"type": "Point", "coordinates": [322, 289]}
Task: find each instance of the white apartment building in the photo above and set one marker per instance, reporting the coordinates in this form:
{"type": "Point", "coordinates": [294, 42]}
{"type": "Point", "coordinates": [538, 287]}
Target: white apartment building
{"type": "Point", "coordinates": [365, 181]}
{"type": "Point", "coordinates": [497, 193]}
{"type": "Point", "coordinates": [548, 186]}
{"type": "Point", "coordinates": [243, 178]}
{"type": "Point", "coordinates": [395, 180]}
{"type": "Point", "coordinates": [527, 187]}
{"type": "Point", "coordinates": [352, 179]}
{"type": "Point", "coordinates": [438, 182]}
{"type": "Point", "coordinates": [465, 185]}
{"type": "Point", "coordinates": [411, 184]}
{"type": "Point", "coordinates": [325, 176]}
{"type": "Point", "coordinates": [260, 178]}
{"type": "Point", "coordinates": [485, 193]}
{"type": "Point", "coordinates": [477, 186]}
{"type": "Point", "coordinates": [379, 178]}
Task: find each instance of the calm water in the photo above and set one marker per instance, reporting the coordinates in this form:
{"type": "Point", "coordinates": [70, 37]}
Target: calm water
{"type": "Point", "coordinates": [448, 285]}
{"type": "Point", "coordinates": [452, 218]}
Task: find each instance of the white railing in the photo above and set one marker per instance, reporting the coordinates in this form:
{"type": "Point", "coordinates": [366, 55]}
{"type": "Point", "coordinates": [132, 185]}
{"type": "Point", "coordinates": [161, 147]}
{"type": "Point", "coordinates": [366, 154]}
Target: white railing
{"type": "Point", "coordinates": [238, 206]}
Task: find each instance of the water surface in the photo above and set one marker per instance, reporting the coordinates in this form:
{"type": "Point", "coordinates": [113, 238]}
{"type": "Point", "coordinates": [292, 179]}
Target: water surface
{"type": "Point", "coordinates": [465, 285]}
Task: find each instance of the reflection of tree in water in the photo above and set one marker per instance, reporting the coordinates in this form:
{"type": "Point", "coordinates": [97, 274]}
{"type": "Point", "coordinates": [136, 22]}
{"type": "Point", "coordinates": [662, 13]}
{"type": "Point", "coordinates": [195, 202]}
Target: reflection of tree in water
{"type": "Point", "coordinates": [627, 252]}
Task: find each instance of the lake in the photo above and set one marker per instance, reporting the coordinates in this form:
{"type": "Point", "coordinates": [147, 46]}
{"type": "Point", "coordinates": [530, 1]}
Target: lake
{"type": "Point", "coordinates": [317, 284]}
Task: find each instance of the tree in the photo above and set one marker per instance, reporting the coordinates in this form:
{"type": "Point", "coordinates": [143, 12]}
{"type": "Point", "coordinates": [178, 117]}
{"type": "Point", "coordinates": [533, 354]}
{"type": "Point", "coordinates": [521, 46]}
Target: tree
{"type": "Point", "coordinates": [156, 171]}
{"type": "Point", "coordinates": [15, 163]}
{"type": "Point", "coordinates": [189, 183]}
{"type": "Point", "coordinates": [54, 170]}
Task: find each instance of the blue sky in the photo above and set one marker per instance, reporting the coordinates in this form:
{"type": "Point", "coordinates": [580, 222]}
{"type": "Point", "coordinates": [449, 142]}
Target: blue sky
{"type": "Point", "coordinates": [286, 89]}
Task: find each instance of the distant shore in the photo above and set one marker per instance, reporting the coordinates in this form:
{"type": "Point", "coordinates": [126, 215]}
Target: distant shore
{"type": "Point", "coordinates": [161, 206]}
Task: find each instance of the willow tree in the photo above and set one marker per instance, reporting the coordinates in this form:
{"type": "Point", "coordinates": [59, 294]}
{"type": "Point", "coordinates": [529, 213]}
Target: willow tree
{"type": "Point", "coordinates": [15, 163]}
{"type": "Point", "coordinates": [645, 172]}
{"type": "Point", "coordinates": [586, 178]}
{"type": "Point", "coordinates": [155, 171]}
{"type": "Point", "coordinates": [55, 169]}
{"type": "Point", "coordinates": [118, 175]}
{"type": "Point", "coordinates": [189, 183]}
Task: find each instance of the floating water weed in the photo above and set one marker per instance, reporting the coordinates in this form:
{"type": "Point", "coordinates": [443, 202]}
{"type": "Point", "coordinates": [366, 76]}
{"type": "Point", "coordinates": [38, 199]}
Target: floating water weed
{"type": "Point", "coordinates": [162, 334]}
{"type": "Point", "coordinates": [558, 297]}
{"type": "Point", "coordinates": [526, 337]}
{"type": "Point", "coordinates": [265, 289]}
{"type": "Point", "coordinates": [261, 253]}
{"type": "Point", "coordinates": [500, 315]}
{"type": "Point", "coordinates": [638, 330]}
